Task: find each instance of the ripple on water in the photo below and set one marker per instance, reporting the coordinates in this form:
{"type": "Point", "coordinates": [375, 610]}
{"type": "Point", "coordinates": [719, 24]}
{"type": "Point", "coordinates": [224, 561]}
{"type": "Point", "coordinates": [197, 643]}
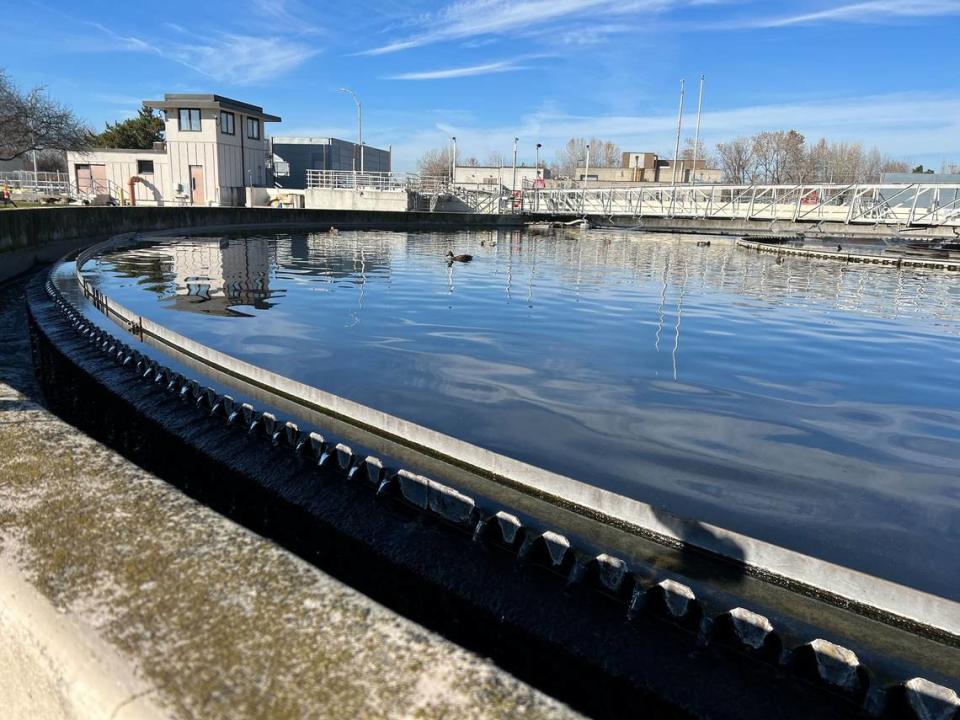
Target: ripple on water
{"type": "Point", "coordinates": [811, 404]}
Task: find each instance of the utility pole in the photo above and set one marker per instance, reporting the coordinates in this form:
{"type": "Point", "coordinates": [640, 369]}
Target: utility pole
{"type": "Point", "coordinates": [676, 153]}
{"type": "Point", "coordinates": [359, 122]}
{"type": "Point", "coordinates": [586, 176]}
{"type": "Point", "coordinates": [513, 187]}
{"type": "Point", "coordinates": [696, 142]}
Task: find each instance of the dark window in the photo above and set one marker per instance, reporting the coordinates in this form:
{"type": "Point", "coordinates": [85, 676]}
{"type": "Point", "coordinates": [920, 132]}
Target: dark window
{"type": "Point", "coordinates": [189, 120]}
{"type": "Point", "coordinates": [253, 128]}
{"type": "Point", "coordinates": [227, 121]}
{"type": "Point", "coordinates": [144, 167]}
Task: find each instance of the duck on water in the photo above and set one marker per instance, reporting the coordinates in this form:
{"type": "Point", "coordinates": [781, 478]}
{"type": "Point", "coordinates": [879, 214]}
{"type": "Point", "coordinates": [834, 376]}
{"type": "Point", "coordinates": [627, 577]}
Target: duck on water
{"type": "Point", "coordinates": [451, 258]}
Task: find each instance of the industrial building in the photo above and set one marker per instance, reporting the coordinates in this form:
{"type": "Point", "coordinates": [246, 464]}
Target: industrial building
{"type": "Point", "coordinates": [493, 176]}
{"type": "Point", "coordinates": [214, 149]}
{"type": "Point", "coordinates": [293, 156]}
{"type": "Point", "coordinates": [648, 167]}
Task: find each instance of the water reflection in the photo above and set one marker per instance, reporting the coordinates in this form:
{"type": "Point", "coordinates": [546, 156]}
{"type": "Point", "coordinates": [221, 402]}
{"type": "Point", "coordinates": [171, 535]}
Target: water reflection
{"type": "Point", "coordinates": [210, 276]}
{"type": "Point", "coordinates": [811, 404]}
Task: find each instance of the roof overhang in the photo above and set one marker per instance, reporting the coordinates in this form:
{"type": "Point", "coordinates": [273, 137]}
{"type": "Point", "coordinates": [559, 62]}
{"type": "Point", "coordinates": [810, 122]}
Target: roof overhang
{"type": "Point", "coordinates": [209, 102]}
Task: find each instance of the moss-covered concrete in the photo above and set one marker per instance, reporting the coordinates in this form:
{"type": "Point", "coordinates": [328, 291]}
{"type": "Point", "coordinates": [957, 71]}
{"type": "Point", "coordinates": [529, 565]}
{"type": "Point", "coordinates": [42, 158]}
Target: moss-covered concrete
{"type": "Point", "coordinates": [216, 621]}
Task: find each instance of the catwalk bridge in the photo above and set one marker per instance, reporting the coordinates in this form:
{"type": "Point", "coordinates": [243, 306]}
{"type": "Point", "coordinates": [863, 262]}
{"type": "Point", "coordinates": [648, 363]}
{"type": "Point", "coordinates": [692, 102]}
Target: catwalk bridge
{"type": "Point", "coordinates": [891, 205]}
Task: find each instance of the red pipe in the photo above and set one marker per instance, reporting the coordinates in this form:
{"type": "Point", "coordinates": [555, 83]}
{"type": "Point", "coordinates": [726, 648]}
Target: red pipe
{"type": "Point", "coordinates": [130, 183]}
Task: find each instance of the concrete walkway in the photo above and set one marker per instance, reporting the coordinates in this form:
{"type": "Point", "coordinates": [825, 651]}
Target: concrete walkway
{"type": "Point", "coordinates": [120, 597]}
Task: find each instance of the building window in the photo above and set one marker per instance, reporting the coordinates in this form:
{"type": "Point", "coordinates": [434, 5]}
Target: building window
{"type": "Point", "coordinates": [189, 120]}
{"type": "Point", "coordinates": [253, 128]}
{"type": "Point", "coordinates": [227, 123]}
{"type": "Point", "coordinates": [144, 167]}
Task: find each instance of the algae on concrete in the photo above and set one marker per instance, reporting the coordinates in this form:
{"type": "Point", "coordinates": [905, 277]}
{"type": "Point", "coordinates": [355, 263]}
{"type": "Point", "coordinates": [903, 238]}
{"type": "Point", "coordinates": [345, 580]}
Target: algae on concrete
{"type": "Point", "coordinates": [216, 621]}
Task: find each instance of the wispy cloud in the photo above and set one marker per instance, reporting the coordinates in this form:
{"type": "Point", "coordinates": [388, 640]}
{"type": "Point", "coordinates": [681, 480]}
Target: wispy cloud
{"type": "Point", "coordinates": [291, 16]}
{"type": "Point", "coordinates": [237, 59]}
{"type": "Point", "coordinates": [459, 72]}
{"type": "Point", "coordinates": [242, 59]}
{"type": "Point", "coordinates": [872, 11]}
{"type": "Point", "coordinates": [471, 18]}
{"type": "Point", "coordinates": [121, 42]}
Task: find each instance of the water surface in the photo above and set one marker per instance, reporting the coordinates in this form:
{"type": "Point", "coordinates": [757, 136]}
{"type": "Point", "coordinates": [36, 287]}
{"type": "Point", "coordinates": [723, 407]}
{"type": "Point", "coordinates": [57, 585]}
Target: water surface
{"type": "Point", "coordinates": [811, 404]}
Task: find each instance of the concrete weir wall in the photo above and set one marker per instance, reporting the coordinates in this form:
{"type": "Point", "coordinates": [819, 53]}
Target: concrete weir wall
{"type": "Point", "coordinates": [872, 595]}
{"type": "Point", "coordinates": [30, 237]}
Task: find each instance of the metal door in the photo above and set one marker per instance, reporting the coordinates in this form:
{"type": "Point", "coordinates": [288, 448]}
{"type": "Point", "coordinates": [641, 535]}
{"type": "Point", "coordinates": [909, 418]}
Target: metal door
{"type": "Point", "coordinates": [196, 185]}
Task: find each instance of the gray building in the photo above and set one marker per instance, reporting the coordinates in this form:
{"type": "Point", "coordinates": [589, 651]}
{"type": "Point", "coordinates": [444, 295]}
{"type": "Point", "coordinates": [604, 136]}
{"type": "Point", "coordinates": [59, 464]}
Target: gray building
{"type": "Point", "coordinates": [293, 156]}
{"type": "Point", "coordinates": [928, 200]}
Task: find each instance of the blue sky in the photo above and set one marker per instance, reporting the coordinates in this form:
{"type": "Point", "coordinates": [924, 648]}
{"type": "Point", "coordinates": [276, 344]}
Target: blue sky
{"type": "Point", "coordinates": [880, 71]}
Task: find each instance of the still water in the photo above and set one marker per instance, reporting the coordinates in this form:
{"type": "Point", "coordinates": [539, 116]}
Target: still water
{"type": "Point", "coordinates": [811, 404]}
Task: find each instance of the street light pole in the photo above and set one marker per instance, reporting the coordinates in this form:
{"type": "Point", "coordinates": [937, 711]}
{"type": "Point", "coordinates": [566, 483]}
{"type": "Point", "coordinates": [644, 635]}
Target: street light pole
{"type": "Point", "coordinates": [359, 121]}
{"type": "Point", "coordinates": [513, 187]}
{"type": "Point", "coordinates": [536, 194]}
{"type": "Point", "coordinates": [586, 176]}
{"type": "Point", "coordinates": [676, 153]}
{"type": "Point", "coordinates": [696, 142]}
{"type": "Point", "coordinates": [453, 161]}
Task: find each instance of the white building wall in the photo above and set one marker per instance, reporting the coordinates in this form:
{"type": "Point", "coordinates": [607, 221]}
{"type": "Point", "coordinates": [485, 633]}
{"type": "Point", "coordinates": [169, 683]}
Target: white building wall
{"type": "Point", "coordinates": [120, 166]}
{"type": "Point", "coordinates": [186, 148]}
{"type": "Point", "coordinates": [487, 176]}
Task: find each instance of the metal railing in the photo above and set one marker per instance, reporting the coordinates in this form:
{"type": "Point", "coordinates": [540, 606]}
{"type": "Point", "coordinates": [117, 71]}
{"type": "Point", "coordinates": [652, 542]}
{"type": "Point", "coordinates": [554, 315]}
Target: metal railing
{"type": "Point", "coordinates": [41, 183]}
{"type": "Point", "coordinates": [351, 180]}
{"type": "Point", "coordinates": [926, 204]}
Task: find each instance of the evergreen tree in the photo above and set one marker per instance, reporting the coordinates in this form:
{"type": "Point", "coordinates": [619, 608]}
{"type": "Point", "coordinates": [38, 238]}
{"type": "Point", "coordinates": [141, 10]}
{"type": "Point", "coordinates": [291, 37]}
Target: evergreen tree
{"type": "Point", "coordinates": [136, 133]}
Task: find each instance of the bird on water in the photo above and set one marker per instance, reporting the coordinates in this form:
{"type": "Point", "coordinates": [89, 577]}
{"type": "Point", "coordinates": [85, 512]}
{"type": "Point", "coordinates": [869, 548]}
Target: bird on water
{"type": "Point", "coordinates": [458, 258]}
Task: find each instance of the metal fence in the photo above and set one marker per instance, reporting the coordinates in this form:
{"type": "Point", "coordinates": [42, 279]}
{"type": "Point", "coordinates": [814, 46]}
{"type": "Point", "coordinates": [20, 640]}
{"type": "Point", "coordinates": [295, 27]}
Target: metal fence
{"type": "Point", "coordinates": [41, 183]}
{"type": "Point", "coordinates": [351, 180]}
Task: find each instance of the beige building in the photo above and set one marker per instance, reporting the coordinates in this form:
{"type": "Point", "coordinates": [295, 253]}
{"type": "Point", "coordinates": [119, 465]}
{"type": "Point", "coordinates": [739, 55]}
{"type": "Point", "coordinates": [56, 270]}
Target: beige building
{"type": "Point", "coordinates": [647, 167]}
{"type": "Point", "coordinates": [491, 176]}
{"type": "Point", "coordinates": [214, 149]}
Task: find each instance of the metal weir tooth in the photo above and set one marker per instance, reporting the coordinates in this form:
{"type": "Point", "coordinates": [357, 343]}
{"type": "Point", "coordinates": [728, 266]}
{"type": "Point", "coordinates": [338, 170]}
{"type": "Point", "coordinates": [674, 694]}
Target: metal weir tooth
{"type": "Point", "coordinates": [374, 469]}
{"type": "Point", "coordinates": [291, 434]}
{"type": "Point", "coordinates": [344, 456]}
{"type": "Point", "coordinates": [317, 445]}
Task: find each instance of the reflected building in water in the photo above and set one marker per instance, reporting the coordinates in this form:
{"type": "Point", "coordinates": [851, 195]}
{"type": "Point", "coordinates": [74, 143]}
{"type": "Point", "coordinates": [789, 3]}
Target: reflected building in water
{"type": "Point", "coordinates": [210, 276]}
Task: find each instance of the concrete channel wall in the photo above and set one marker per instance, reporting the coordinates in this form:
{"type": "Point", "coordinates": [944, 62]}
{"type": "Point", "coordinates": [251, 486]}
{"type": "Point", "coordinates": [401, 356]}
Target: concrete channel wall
{"type": "Point", "coordinates": [884, 599]}
{"type": "Point", "coordinates": [34, 236]}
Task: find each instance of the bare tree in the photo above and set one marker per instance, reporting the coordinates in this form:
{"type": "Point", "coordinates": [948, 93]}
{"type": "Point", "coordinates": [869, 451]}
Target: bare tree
{"type": "Point", "coordinates": [495, 159]}
{"type": "Point", "coordinates": [32, 121]}
{"type": "Point", "coordinates": [702, 154]}
{"type": "Point", "coordinates": [736, 160]}
{"type": "Point", "coordinates": [780, 156]}
{"type": "Point", "coordinates": [603, 153]}
{"type": "Point", "coordinates": [435, 162]}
